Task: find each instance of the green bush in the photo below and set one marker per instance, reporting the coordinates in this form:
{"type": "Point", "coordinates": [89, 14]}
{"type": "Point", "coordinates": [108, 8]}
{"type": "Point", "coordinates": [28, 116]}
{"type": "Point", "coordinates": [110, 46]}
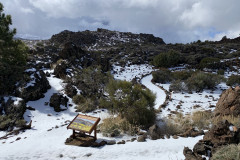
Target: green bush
{"type": "Point", "coordinates": [5, 121]}
{"type": "Point", "coordinates": [132, 102]}
{"type": "Point", "coordinates": [182, 75]}
{"type": "Point", "coordinates": [220, 72]}
{"type": "Point", "coordinates": [229, 152]}
{"type": "Point", "coordinates": [200, 80]}
{"type": "Point", "coordinates": [233, 80]}
{"type": "Point", "coordinates": [210, 63]}
{"type": "Point", "coordinates": [167, 59]}
{"type": "Point", "coordinates": [177, 86]}
{"type": "Point", "coordinates": [162, 76]}
{"type": "Point", "coordinates": [20, 123]}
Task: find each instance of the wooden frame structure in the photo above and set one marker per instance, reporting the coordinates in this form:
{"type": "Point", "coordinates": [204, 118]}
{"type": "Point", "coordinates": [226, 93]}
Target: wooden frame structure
{"type": "Point", "coordinates": [84, 124]}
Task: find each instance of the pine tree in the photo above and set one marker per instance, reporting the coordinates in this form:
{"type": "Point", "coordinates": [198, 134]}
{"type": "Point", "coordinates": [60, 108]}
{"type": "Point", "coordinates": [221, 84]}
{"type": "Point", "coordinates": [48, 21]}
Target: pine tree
{"type": "Point", "coordinates": [12, 55]}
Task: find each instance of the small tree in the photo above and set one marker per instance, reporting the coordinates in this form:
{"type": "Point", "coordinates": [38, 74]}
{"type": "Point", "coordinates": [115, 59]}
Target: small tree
{"type": "Point", "coordinates": [210, 63]}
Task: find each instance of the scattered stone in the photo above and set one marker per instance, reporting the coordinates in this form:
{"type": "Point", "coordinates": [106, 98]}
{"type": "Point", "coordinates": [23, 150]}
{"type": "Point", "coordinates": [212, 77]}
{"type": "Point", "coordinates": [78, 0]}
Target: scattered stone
{"type": "Point", "coordinates": [121, 142]}
{"type": "Point", "coordinates": [46, 103]}
{"type": "Point", "coordinates": [175, 137]}
{"type": "Point", "coordinates": [30, 108]}
{"type": "Point", "coordinates": [133, 139]}
{"type": "Point", "coordinates": [88, 155]}
{"type": "Point", "coordinates": [18, 138]}
{"type": "Point", "coordinates": [49, 115]}
{"type": "Point", "coordinates": [112, 142]}
{"type": "Point", "coordinates": [141, 138]}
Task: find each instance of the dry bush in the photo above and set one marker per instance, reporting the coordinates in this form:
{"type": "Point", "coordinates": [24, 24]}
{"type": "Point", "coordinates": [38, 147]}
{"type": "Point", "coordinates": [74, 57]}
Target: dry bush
{"type": "Point", "coordinates": [230, 152]}
{"type": "Point", "coordinates": [201, 119]}
{"type": "Point", "coordinates": [114, 126]}
{"type": "Point", "coordinates": [230, 118]}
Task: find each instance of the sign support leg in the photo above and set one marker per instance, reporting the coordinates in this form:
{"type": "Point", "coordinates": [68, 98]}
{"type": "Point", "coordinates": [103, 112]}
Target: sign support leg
{"type": "Point", "coordinates": [74, 134]}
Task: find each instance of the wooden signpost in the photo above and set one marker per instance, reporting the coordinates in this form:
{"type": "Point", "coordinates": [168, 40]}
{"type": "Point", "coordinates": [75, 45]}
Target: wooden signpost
{"type": "Point", "coordinates": [84, 124]}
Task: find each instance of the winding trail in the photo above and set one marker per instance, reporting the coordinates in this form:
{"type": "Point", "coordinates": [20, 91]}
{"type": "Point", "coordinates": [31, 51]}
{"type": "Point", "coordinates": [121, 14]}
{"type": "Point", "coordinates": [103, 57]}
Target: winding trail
{"type": "Point", "coordinates": [160, 94]}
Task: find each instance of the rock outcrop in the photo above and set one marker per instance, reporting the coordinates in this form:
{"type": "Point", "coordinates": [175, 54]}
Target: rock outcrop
{"type": "Point", "coordinates": [57, 100]}
{"type": "Point", "coordinates": [229, 102]}
{"type": "Point", "coordinates": [36, 90]}
{"type": "Point", "coordinates": [219, 135]}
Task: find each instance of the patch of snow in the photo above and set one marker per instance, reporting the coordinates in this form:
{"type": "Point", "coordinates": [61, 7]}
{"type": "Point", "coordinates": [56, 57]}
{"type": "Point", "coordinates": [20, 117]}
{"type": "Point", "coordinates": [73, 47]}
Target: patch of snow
{"type": "Point", "coordinates": [128, 73]}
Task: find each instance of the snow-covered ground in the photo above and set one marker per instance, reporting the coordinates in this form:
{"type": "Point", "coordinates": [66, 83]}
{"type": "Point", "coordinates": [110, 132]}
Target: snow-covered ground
{"type": "Point", "coordinates": [129, 72]}
{"type": "Point", "coordinates": [190, 103]}
{"type": "Point", "coordinates": [46, 138]}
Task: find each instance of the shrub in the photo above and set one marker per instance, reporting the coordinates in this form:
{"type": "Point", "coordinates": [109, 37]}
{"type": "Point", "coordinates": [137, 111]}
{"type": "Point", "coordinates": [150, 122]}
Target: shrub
{"type": "Point", "coordinates": [220, 72]}
{"type": "Point", "coordinates": [132, 102]}
{"type": "Point", "coordinates": [177, 86]}
{"type": "Point", "coordinates": [200, 80]}
{"type": "Point", "coordinates": [78, 99]}
{"type": "Point", "coordinates": [162, 76]}
{"type": "Point", "coordinates": [201, 119]}
{"type": "Point", "coordinates": [20, 123]}
{"type": "Point", "coordinates": [233, 80]}
{"type": "Point", "coordinates": [182, 75]}
{"type": "Point", "coordinates": [167, 59]}
{"type": "Point", "coordinates": [114, 126]}
{"type": "Point", "coordinates": [88, 106]}
{"type": "Point", "coordinates": [231, 151]}
{"type": "Point", "coordinates": [5, 121]}
{"type": "Point", "coordinates": [210, 63]}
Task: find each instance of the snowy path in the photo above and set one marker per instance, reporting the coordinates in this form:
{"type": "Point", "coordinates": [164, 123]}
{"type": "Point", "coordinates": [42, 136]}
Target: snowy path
{"type": "Point", "coordinates": [160, 94]}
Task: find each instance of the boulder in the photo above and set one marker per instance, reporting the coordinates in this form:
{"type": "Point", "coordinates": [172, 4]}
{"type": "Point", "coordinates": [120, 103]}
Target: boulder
{"type": "Point", "coordinates": [60, 70]}
{"type": "Point", "coordinates": [57, 100]}
{"type": "Point", "coordinates": [229, 102]}
{"type": "Point", "coordinates": [154, 132]}
{"type": "Point", "coordinates": [142, 138]}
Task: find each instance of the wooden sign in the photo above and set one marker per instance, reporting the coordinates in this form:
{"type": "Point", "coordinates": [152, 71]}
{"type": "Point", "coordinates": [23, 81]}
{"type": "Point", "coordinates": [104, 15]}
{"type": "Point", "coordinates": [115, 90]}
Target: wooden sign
{"type": "Point", "coordinates": [84, 123]}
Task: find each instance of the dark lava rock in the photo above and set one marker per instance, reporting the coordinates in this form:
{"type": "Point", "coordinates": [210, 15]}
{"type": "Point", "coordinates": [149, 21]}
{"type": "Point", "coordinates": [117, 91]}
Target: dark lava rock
{"type": "Point", "coordinates": [60, 70]}
{"type": "Point", "coordinates": [35, 92]}
{"type": "Point", "coordinates": [218, 136]}
{"type": "Point", "coordinates": [191, 132]}
{"type": "Point", "coordinates": [56, 100]}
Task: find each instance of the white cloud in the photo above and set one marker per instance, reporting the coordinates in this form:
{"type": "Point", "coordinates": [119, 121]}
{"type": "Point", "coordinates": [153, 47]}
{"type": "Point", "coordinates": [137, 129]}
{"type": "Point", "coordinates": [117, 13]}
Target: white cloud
{"type": "Point", "coordinates": [173, 20]}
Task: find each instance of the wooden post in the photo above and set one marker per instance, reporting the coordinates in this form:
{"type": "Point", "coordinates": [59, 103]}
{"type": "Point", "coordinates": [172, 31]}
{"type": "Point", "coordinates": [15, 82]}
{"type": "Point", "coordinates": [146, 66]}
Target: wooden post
{"type": "Point", "coordinates": [95, 133]}
{"type": "Point", "coordinates": [74, 134]}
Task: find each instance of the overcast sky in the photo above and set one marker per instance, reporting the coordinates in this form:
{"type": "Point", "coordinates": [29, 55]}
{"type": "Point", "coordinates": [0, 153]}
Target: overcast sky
{"type": "Point", "coordinates": [176, 21]}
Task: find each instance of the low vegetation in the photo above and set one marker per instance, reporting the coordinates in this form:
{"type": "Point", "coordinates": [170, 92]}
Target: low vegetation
{"type": "Point", "coordinates": [233, 80]}
{"type": "Point", "coordinates": [231, 151]}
